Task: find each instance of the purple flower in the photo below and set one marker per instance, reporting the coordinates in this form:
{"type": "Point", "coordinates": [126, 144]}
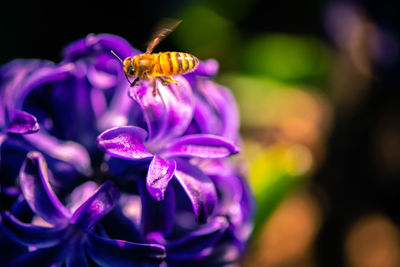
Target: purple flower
{"type": "Point", "coordinates": [94, 171]}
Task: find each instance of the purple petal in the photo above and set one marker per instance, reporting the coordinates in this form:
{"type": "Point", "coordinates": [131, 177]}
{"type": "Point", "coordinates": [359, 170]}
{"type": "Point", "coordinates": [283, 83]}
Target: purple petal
{"type": "Point", "coordinates": [157, 216]}
{"type": "Point", "coordinates": [34, 180]}
{"type": "Point", "coordinates": [198, 243]}
{"type": "Point", "coordinates": [74, 96]}
{"type": "Point", "coordinates": [158, 177]}
{"type": "Point", "coordinates": [201, 146]}
{"type": "Point", "coordinates": [100, 78]}
{"type": "Point", "coordinates": [198, 187]}
{"type": "Point", "coordinates": [124, 142]}
{"type": "Point", "coordinates": [80, 194]}
{"type": "Point", "coordinates": [207, 68]}
{"type": "Point", "coordinates": [51, 256]}
{"type": "Point", "coordinates": [76, 255]}
{"type": "Point", "coordinates": [230, 190]}
{"type": "Point", "coordinates": [121, 109]}
{"type": "Point", "coordinates": [98, 43]}
{"type": "Point", "coordinates": [31, 235]}
{"type": "Point", "coordinates": [15, 98]}
{"type": "Point", "coordinates": [22, 123]}
{"type": "Point", "coordinates": [9, 248]}
{"type": "Point", "coordinates": [167, 114]}
{"type": "Point", "coordinates": [205, 117]}
{"type": "Point", "coordinates": [96, 207]}
{"type": "Point", "coordinates": [123, 222]}
{"type": "Point", "coordinates": [13, 76]}
{"type": "Point", "coordinates": [70, 152]}
{"type": "Point", "coordinates": [225, 104]}
{"type": "Point", "coordinates": [216, 111]}
{"type": "Point", "coordinates": [111, 252]}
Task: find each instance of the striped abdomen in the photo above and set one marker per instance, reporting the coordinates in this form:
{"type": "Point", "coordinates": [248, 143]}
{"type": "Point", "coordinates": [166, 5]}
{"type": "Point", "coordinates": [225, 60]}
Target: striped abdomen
{"type": "Point", "coordinates": [172, 63]}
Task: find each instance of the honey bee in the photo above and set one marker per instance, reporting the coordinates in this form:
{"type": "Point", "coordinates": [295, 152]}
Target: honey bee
{"type": "Point", "coordinates": [162, 66]}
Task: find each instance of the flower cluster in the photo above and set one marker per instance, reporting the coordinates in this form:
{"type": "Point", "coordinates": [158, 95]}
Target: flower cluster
{"type": "Point", "coordinates": [95, 172]}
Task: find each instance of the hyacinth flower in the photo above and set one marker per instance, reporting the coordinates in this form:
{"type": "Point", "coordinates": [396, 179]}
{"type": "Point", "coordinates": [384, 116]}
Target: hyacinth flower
{"type": "Point", "coordinates": [182, 199]}
{"type": "Point", "coordinates": [165, 143]}
{"type": "Point", "coordinates": [70, 231]}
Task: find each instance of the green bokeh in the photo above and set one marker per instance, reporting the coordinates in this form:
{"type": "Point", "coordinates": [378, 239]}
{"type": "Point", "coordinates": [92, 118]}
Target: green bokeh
{"type": "Point", "coordinates": [207, 34]}
{"type": "Point", "coordinates": [287, 58]}
{"type": "Point", "coordinates": [274, 173]}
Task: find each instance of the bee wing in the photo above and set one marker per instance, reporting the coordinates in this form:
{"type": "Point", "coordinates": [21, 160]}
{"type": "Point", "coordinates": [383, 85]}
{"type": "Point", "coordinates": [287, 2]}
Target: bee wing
{"type": "Point", "coordinates": [163, 30]}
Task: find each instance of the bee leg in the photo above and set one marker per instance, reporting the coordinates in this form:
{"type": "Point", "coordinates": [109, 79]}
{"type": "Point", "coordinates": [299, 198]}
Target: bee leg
{"type": "Point", "coordinates": [167, 80]}
{"type": "Point", "coordinates": [155, 89]}
{"type": "Point", "coordinates": [134, 82]}
{"type": "Point", "coordinates": [163, 81]}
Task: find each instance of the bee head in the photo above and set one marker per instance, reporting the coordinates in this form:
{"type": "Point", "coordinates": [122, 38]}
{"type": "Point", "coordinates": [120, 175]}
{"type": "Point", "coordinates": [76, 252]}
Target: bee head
{"type": "Point", "coordinates": [128, 67]}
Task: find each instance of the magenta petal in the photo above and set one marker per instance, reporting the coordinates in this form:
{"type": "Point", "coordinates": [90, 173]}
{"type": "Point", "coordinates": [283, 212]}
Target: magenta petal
{"type": "Point", "coordinates": [124, 142]}
{"type": "Point", "coordinates": [22, 123]}
{"type": "Point", "coordinates": [111, 252]}
{"type": "Point", "coordinates": [96, 207]}
{"type": "Point", "coordinates": [159, 174]}
{"type": "Point", "coordinates": [34, 180]}
{"type": "Point", "coordinates": [31, 235]}
{"type": "Point", "coordinates": [199, 188]}
{"type": "Point", "coordinates": [201, 146]}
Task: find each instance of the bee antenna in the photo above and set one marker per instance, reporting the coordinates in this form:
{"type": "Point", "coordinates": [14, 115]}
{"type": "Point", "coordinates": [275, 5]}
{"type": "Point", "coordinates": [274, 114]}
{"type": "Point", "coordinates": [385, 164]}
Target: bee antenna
{"type": "Point", "coordinates": [112, 52]}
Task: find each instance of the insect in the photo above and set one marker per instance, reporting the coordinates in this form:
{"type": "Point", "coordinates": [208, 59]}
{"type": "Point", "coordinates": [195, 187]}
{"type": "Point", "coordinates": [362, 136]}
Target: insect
{"type": "Point", "coordinates": [162, 66]}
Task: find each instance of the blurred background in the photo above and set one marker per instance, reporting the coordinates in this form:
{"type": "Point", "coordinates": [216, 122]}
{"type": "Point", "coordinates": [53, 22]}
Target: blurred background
{"type": "Point", "coordinates": [317, 83]}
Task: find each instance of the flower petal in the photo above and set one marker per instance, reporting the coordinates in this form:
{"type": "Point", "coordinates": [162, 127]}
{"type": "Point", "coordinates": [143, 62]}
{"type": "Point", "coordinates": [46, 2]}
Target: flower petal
{"type": "Point", "coordinates": [98, 43]}
{"type": "Point", "coordinates": [31, 235]}
{"type": "Point", "coordinates": [69, 152]}
{"type": "Point", "coordinates": [198, 187]}
{"type": "Point", "coordinates": [201, 146]}
{"type": "Point", "coordinates": [206, 68]}
{"type": "Point", "coordinates": [124, 142]}
{"type": "Point", "coordinates": [76, 255]}
{"type": "Point", "coordinates": [51, 256]}
{"type": "Point", "coordinates": [199, 243]}
{"type": "Point", "coordinates": [73, 95]}
{"type": "Point", "coordinates": [80, 194]}
{"type": "Point", "coordinates": [123, 222]}
{"type": "Point", "coordinates": [22, 123]}
{"type": "Point", "coordinates": [157, 216]}
{"type": "Point", "coordinates": [9, 248]}
{"type": "Point", "coordinates": [167, 114]}
{"type": "Point", "coordinates": [158, 177]}
{"type": "Point", "coordinates": [98, 205]}
{"type": "Point", "coordinates": [46, 73]}
{"type": "Point", "coordinates": [34, 180]}
{"type": "Point", "coordinates": [111, 252]}
{"type": "Point", "coordinates": [216, 110]}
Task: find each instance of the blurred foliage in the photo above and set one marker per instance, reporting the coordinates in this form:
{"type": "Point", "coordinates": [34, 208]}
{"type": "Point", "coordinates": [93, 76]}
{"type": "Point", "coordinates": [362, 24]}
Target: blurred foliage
{"type": "Point", "coordinates": [274, 172]}
{"type": "Point", "coordinates": [288, 58]}
{"type": "Point", "coordinates": [207, 34]}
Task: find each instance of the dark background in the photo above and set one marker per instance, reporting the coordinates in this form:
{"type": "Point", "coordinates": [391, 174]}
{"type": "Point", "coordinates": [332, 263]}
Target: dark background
{"type": "Point", "coordinates": [355, 175]}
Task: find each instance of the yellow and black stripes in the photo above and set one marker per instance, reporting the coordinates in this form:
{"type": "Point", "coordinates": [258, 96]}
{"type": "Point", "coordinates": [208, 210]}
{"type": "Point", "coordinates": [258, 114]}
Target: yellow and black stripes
{"type": "Point", "coordinates": [173, 63]}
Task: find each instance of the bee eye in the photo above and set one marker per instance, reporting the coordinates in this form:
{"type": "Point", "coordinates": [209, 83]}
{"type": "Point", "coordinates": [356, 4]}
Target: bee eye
{"type": "Point", "coordinates": [131, 71]}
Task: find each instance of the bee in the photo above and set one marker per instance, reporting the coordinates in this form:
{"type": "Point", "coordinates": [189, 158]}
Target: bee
{"type": "Point", "coordinates": [158, 66]}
